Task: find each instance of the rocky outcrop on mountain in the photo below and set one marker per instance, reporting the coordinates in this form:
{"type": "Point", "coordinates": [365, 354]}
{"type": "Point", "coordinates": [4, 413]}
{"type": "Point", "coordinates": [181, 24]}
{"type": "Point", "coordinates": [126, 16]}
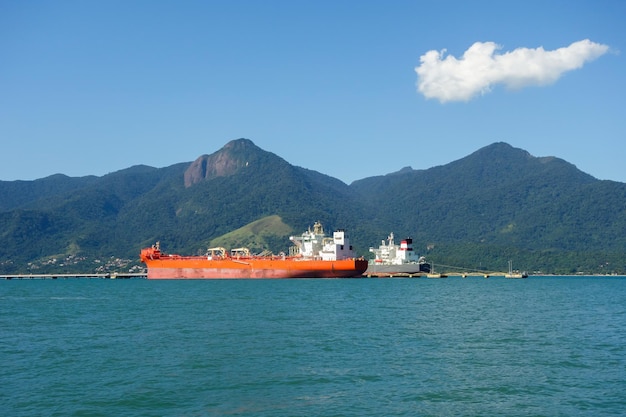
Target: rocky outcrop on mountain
{"type": "Point", "coordinates": [222, 163]}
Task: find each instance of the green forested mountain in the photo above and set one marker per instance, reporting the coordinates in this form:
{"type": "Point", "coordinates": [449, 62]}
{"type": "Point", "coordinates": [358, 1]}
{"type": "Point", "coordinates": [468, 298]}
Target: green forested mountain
{"type": "Point", "coordinates": [499, 203]}
{"type": "Point", "coordinates": [496, 204]}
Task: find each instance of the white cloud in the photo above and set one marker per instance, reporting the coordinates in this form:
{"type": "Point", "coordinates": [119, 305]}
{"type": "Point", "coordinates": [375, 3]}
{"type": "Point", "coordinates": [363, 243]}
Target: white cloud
{"type": "Point", "coordinates": [447, 78]}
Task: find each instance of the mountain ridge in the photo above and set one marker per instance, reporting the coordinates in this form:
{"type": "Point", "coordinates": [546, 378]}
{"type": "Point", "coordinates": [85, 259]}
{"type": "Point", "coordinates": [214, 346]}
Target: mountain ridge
{"type": "Point", "coordinates": [497, 202]}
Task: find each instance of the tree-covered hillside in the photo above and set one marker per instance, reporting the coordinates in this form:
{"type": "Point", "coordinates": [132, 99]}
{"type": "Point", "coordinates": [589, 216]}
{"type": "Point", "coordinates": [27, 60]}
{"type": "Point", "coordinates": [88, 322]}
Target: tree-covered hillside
{"type": "Point", "coordinates": [501, 202]}
{"type": "Point", "coordinates": [496, 204]}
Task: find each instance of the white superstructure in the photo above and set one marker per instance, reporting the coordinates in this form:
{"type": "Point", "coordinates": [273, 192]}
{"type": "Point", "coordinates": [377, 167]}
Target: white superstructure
{"type": "Point", "coordinates": [388, 253]}
{"type": "Point", "coordinates": [313, 244]}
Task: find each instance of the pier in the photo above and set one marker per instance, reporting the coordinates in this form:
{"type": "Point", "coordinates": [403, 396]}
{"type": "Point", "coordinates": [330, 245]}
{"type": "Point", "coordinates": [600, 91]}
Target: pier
{"type": "Point", "coordinates": [437, 275]}
{"type": "Point", "coordinates": [446, 271]}
{"type": "Point", "coordinates": [113, 275]}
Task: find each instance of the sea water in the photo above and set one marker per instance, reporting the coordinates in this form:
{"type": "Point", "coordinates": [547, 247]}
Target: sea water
{"type": "Point", "coordinates": [543, 346]}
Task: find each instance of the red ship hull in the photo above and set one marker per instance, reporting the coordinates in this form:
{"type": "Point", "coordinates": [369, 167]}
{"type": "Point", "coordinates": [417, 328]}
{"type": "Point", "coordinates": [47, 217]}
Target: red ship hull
{"type": "Point", "coordinates": [161, 266]}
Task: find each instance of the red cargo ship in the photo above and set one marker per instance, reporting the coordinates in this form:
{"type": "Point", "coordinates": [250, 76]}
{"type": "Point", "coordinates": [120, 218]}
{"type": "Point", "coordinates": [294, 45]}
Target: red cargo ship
{"type": "Point", "coordinates": [313, 256]}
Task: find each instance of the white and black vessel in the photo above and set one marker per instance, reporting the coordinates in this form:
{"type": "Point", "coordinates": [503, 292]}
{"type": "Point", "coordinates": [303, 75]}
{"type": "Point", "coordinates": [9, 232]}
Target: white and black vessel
{"type": "Point", "coordinates": [396, 260]}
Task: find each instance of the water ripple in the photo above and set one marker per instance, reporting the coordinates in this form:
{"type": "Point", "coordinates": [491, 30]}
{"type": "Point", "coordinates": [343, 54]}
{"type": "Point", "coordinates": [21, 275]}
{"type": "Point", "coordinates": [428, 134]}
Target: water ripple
{"type": "Point", "coordinates": [402, 347]}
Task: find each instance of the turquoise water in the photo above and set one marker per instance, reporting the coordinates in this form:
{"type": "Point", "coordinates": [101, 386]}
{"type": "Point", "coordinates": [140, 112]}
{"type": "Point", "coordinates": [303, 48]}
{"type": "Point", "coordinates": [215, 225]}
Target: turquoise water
{"type": "Point", "coordinates": [356, 347]}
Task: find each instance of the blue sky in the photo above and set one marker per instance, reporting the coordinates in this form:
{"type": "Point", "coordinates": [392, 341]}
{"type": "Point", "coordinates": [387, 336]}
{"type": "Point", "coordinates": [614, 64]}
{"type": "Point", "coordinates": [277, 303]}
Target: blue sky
{"type": "Point", "coordinates": [92, 87]}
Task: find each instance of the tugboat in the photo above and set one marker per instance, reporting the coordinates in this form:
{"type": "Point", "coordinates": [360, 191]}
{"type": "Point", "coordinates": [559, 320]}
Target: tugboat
{"type": "Point", "coordinates": [396, 260]}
